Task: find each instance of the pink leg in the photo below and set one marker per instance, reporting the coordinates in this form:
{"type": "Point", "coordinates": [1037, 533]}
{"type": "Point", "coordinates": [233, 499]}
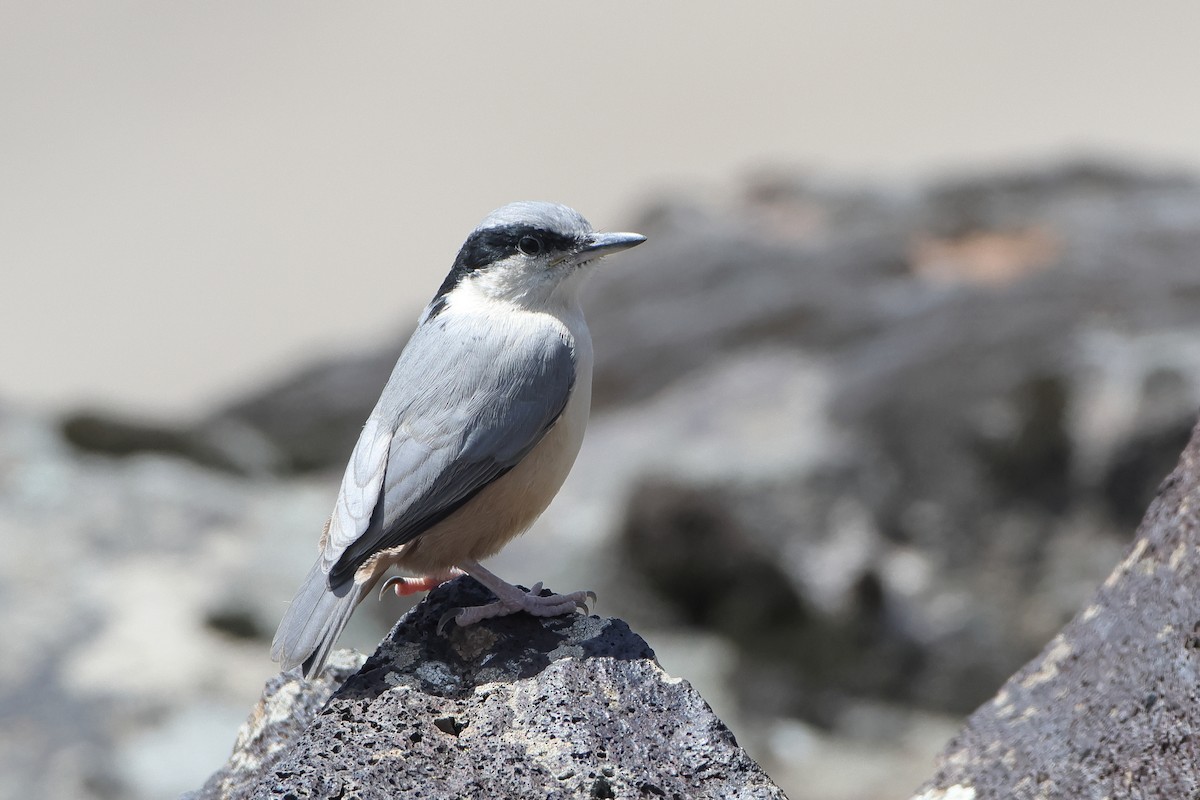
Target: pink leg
{"type": "Point", "coordinates": [512, 600]}
{"type": "Point", "coordinates": [404, 585]}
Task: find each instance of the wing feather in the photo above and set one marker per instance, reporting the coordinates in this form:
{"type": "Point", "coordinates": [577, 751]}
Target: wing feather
{"type": "Point", "coordinates": [360, 490]}
{"type": "Point", "coordinates": [451, 420]}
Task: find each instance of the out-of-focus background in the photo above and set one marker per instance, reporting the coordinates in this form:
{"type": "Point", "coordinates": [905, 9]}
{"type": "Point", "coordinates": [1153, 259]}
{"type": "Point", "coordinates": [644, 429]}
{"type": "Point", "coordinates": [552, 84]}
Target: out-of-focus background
{"type": "Point", "coordinates": [916, 334]}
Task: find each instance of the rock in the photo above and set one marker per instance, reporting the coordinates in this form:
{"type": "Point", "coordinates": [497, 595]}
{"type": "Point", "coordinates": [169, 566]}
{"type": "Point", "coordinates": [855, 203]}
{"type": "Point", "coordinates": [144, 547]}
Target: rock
{"type": "Point", "coordinates": [223, 444]}
{"type": "Point", "coordinates": [513, 707]}
{"type": "Point", "coordinates": [1108, 709]}
{"type": "Point", "coordinates": [1007, 390]}
{"type": "Point", "coordinates": [135, 584]}
{"type": "Point", "coordinates": [312, 418]}
{"type": "Point", "coordinates": [824, 610]}
{"type": "Point", "coordinates": [711, 290]}
{"type": "Point", "coordinates": [287, 708]}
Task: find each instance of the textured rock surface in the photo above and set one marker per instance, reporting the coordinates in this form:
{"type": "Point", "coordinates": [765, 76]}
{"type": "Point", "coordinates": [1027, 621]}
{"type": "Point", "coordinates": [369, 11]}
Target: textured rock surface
{"type": "Point", "coordinates": [1111, 707]}
{"type": "Point", "coordinates": [287, 708]}
{"type": "Point", "coordinates": [515, 707]}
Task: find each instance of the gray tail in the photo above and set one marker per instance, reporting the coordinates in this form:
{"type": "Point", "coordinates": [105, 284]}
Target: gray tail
{"type": "Point", "coordinates": [314, 621]}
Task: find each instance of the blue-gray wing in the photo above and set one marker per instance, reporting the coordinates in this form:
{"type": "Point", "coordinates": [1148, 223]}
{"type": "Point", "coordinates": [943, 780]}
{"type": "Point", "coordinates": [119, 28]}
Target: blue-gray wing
{"type": "Point", "coordinates": [460, 410]}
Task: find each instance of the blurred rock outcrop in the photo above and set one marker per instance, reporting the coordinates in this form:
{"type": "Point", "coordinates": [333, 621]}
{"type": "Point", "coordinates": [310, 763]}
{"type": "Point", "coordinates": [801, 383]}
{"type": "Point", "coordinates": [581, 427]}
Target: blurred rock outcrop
{"type": "Point", "coordinates": [139, 597]}
{"type": "Point", "coordinates": [564, 707]}
{"type": "Point", "coordinates": [952, 295]}
{"type": "Point", "coordinates": [1014, 362]}
{"type": "Point", "coordinates": [1109, 708]}
{"type": "Point", "coordinates": [312, 419]}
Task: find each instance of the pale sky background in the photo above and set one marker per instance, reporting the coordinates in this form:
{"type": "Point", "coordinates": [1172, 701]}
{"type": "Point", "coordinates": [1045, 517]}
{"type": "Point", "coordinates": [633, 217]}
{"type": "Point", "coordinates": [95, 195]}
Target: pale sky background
{"type": "Point", "coordinates": [196, 197]}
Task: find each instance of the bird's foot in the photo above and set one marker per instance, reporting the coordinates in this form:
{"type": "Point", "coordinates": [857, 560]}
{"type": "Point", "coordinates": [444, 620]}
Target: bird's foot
{"type": "Point", "coordinates": [531, 602]}
{"type": "Point", "coordinates": [403, 585]}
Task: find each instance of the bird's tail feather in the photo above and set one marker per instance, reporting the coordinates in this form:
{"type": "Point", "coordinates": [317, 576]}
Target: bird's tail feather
{"type": "Point", "coordinates": [314, 621]}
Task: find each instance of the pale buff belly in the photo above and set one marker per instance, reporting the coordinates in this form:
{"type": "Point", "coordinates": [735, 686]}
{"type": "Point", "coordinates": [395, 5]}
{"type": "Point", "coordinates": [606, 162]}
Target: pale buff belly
{"type": "Point", "coordinates": [506, 507]}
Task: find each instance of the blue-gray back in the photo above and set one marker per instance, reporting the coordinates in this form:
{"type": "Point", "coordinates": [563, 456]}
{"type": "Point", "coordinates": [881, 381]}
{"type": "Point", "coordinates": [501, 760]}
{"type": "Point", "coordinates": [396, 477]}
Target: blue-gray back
{"type": "Point", "coordinates": [462, 407]}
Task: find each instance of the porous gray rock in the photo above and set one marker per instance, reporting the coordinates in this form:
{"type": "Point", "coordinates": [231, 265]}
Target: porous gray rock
{"type": "Point", "coordinates": [573, 706]}
{"type": "Point", "coordinates": [287, 707]}
{"type": "Point", "coordinates": [1110, 708]}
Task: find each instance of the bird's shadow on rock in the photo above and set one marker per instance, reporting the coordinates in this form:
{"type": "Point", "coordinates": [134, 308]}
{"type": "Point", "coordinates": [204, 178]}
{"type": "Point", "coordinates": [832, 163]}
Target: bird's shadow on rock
{"type": "Point", "coordinates": [503, 649]}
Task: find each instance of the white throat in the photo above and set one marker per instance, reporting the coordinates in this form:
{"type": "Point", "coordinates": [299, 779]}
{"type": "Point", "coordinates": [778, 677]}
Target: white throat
{"type": "Point", "coordinates": [550, 291]}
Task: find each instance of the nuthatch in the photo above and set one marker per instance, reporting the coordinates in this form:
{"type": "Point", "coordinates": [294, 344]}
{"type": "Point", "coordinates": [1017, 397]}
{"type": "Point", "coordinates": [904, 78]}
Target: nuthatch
{"type": "Point", "coordinates": [473, 435]}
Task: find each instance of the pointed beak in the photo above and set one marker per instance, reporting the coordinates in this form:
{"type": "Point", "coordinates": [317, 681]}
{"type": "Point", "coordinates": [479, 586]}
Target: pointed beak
{"type": "Point", "coordinates": [605, 244]}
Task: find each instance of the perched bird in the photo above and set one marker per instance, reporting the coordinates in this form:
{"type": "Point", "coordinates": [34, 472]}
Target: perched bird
{"type": "Point", "coordinates": [473, 435]}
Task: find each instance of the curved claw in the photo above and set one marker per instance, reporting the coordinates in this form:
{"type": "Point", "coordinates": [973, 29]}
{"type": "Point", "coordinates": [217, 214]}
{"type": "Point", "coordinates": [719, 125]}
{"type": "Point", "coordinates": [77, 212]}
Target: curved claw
{"type": "Point", "coordinates": [447, 618]}
{"type": "Point", "coordinates": [536, 590]}
{"type": "Point", "coordinates": [585, 605]}
{"type": "Point", "coordinates": [389, 583]}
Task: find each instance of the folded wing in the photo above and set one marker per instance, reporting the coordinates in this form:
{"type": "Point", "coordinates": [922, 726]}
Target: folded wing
{"type": "Point", "coordinates": [481, 408]}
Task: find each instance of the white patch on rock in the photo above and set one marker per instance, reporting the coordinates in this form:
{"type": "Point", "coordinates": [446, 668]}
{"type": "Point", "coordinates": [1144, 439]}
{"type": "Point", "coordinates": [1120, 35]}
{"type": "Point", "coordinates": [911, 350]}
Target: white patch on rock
{"type": "Point", "coordinates": [955, 792]}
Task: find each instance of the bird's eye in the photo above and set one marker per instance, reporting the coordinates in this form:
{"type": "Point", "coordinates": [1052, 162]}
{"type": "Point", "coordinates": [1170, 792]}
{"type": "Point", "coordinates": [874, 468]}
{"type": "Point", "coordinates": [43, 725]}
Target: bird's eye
{"type": "Point", "coordinates": [530, 246]}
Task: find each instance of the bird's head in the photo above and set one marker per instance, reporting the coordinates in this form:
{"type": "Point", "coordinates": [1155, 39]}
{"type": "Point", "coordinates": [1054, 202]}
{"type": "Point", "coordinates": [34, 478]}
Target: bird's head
{"type": "Point", "coordinates": [530, 252]}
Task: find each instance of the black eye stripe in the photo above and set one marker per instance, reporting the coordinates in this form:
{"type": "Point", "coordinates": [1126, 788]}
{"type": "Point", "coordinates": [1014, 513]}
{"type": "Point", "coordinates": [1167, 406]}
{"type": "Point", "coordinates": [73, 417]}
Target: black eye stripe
{"type": "Point", "coordinates": [493, 244]}
{"type": "Point", "coordinates": [489, 245]}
